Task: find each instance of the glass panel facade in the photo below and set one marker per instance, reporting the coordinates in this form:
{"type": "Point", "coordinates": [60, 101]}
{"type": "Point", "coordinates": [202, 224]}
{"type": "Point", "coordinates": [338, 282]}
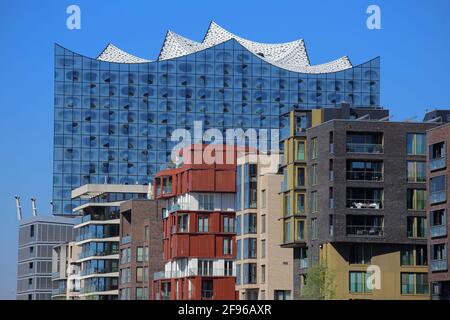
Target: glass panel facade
{"type": "Point", "coordinates": [113, 121]}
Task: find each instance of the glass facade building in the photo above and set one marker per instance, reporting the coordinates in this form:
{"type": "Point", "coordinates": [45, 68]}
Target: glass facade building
{"type": "Point", "coordinates": [113, 120]}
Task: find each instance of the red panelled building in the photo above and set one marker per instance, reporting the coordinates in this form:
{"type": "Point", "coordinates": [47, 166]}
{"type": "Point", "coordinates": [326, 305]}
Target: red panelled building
{"type": "Point", "coordinates": [198, 227]}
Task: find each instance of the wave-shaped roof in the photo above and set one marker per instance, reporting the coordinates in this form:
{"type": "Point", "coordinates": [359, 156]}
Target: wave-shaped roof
{"type": "Point", "coordinates": [290, 55]}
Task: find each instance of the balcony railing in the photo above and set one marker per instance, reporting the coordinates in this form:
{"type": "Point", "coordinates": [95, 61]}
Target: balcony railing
{"type": "Point", "coordinates": [364, 204]}
{"type": "Point", "coordinates": [437, 197]}
{"type": "Point", "coordinates": [365, 175]}
{"type": "Point", "coordinates": [364, 148]}
{"type": "Point", "coordinates": [438, 265]}
{"type": "Point", "coordinates": [437, 163]}
{"type": "Point", "coordinates": [126, 239]}
{"type": "Point", "coordinates": [438, 231]}
{"type": "Point", "coordinates": [364, 231]}
{"type": "Point", "coordinates": [215, 272]}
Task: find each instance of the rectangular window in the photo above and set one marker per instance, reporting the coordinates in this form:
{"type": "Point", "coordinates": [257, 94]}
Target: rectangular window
{"type": "Point", "coordinates": [228, 271]}
{"type": "Point", "coordinates": [250, 186]}
{"type": "Point", "coordinates": [417, 171]}
{"type": "Point", "coordinates": [139, 254]}
{"type": "Point", "coordinates": [416, 227]}
{"type": "Point", "coordinates": [416, 199]}
{"type": "Point", "coordinates": [416, 144]}
{"type": "Point", "coordinates": [146, 254]}
{"type": "Point", "coordinates": [250, 248]}
{"type": "Point", "coordinates": [360, 254]}
{"type": "Point", "coordinates": [139, 274]}
{"type": "Point", "coordinates": [263, 273]}
{"type": "Point", "coordinates": [414, 283]}
{"type": "Point", "coordinates": [314, 175]}
{"type": "Point", "coordinates": [183, 222]}
{"type": "Point", "coordinates": [203, 223]}
{"type": "Point", "coordinates": [263, 223]}
{"type": "Point", "coordinates": [314, 228]}
{"type": "Point", "coordinates": [314, 149]}
{"type": "Point", "coordinates": [250, 223]}
{"type": "Point", "coordinates": [227, 246]}
{"type": "Point", "coordinates": [206, 201]}
{"type": "Point", "coordinates": [300, 203]}
{"type": "Point", "coordinates": [300, 230]}
{"type": "Point", "coordinates": [238, 249]}
{"type": "Point", "coordinates": [287, 231]}
{"type": "Point", "coordinates": [228, 224]}
{"type": "Point", "coordinates": [300, 177]}
{"type": "Point", "coordinates": [263, 199]}
{"type": "Point", "coordinates": [238, 274]}
{"type": "Point", "coordinates": [139, 294]}
{"type": "Point", "coordinates": [32, 231]}
{"type": "Point", "coordinates": [238, 188]}
{"type": "Point", "coordinates": [437, 189]}
{"type": "Point", "coordinates": [314, 202]}
{"type": "Point", "coordinates": [287, 205]}
{"type": "Point", "coordinates": [238, 225]}
{"type": "Point", "coordinates": [250, 275]}
{"type": "Point", "coordinates": [263, 248]}
{"type": "Point", "coordinates": [146, 233]}
{"type": "Point", "coordinates": [300, 156]}
{"type": "Point", "coordinates": [205, 267]}
{"type": "Point", "coordinates": [364, 170]}
{"type": "Point", "coordinates": [358, 282]}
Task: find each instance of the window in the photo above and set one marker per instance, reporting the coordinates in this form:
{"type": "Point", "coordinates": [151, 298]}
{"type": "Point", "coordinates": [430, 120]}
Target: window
{"type": "Point", "coordinates": [238, 249]}
{"type": "Point", "coordinates": [437, 218]}
{"type": "Point", "coordinates": [414, 283]}
{"type": "Point", "coordinates": [227, 246]}
{"type": "Point", "coordinates": [206, 201]}
{"type": "Point", "coordinates": [365, 198]}
{"type": "Point", "coordinates": [439, 251]}
{"type": "Point", "coordinates": [330, 198]}
{"type": "Point", "coordinates": [30, 265]}
{"type": "Point", "coordinates": [238, 274]}
{"type": "Point", "coordinates": [314, 202]}
{"type": "Point", "coordinates": [250, 223]}
{"type": "Point", "coordinates": [249, 248]}
{"type": "Point", "coordinates": [139, 254]}
{"type": "Point", "coordinates": [263, 223]}
{"type": "Point", "coordinates": [139, 293]}
{"type": "Point", "coordinates": [417, 171]}
{"type": "Point", "coordinates": [203, 223]}
{"type": "Point", "coordinates": [358, 282]}
{"type": "Point", "coordinates": [228, 224]}
{"type": "Point", "coordinates": [282, 295]}
{"type": "Point", "coordinates": [32, 231]}
{"type": "Point", "coordinates": [314, 228]}
{"type": "Point", "coordinates": [263, 248]}
{"type": "Point", "coordinates": [263, 273]}
{"type": "Point", "coordinates": [238, 225]}
{"type": "Point", "coordinates": [416, 227]}
{"type": "Point", "coordinates": [360, 142]}
{"type": "Point", "coordinates": [360, 254]}
{"type": "Point", "coordinates": [249, 273]}
{"type": "Point", "coordinates": [205, 267]}
{"type": "Point", "coordinates": [300, 177]}
{"type": "Point", "coordinates": [146, 254]}
{"type": "Point", "coordinates": [437, 156]}
{"type": "Point", "coordinates": [437, 189]}
{"type": "Point", "coordinates": [300, 230]}
{"type": "Point", "coordinates": [331, 142]}
{"type": "Point", "coordinates": [183, 223]}
{"type": "Point", "coordinates": [416, 199]}
{"type": "Point", "coordinates": [300, 155]}
{"type": "Point", "coordinates": [331, 170]}
{"type": "Point", "coordinates": [228, 271]}
{"type": "Point", "coordinates": [364, 170]}
{"type": "Point", "coordinates": [416, 144]}
{"type": "Point", "coordinates": [287, 205]}
{"type": "Point", "coordinates": [238, 188]}
{"type": "Point", "coordinates": [250, 186]}
{"type": "Point", "coordinates": [364, 225]}
{"type": "Point", "coordinates": [287, 231]}
{"type": "Point", "coordinates": [146, 233]}
{"type": "Point", "coordinates": [413, 255]}
{"type": "Point", "coordinates": [263, 198]}
{"type": "Point", "coordinates": [207, 289]}
{"type": "Point", "coordinates": [300, 203]}
{"type": "Point", "coordinates": [314, 149]}
{"type": "Point", "coordinates": [139, 274]}
{"type": "Point", "coordinates": [314, 175]}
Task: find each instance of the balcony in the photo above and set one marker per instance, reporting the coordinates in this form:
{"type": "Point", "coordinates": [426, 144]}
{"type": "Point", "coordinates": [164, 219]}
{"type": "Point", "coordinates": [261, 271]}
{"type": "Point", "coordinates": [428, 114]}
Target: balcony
{"type": "Point", "coordinates": [438, 231]}
{"type": "Point", "coordinates": [365, 175]}
{"type": "Point", "coordinates": [126, 239]}
{"type": "Point", "coordinates": [437, 163]}
{"type": "Point", "coordinates": [192, 272]}
{"type": "Point", "coordinates": [438, 265]}
{"type": "Point", "coordinates": [365, 148]}
{"type": "Point", "coordinates": [365, 231]}
{"type": "Point", "coordinates": [437, 197]}
{"type": "Point", "coordinates": [364, 204]}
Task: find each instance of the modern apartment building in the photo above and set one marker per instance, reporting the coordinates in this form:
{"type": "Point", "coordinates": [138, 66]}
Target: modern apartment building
{"type": "Point", "coordinates": [141, 239]}
{"type": "Point", "coordinates": [295, 171]}
{"type": "Point", "coordinates": [114, 114]}
{"type": "Point", "coordinates": [65, 272]}
{"type": "Point", "coordinates": [199, 245]}
{"type": "Point", "coordinates": [37, 236]}
{"type": "Point", "coordinates": [264, 270]}
{"type": "Point", "coordinates": [366, 204]}
{"type": "Point", "coordinates": [98, 237]}
{"type": "Point", "coordinates": [438, 177]}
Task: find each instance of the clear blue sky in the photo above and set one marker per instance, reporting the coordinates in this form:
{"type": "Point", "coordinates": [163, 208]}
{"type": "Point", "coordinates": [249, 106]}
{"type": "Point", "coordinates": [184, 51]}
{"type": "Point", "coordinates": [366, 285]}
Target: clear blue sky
{"type": "Point", "coordinates": [414, 45]}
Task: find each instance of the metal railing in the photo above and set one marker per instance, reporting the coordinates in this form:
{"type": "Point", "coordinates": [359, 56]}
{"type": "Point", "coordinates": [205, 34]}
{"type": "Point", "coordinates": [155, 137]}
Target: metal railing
{"type": "Point", "coordinates": [372, 231]}
{"type": "Point", "coordinates": [438, 231]}
{"type": "Point", "coordinates": [364, 148]}
{"type": "Point", "coordinates": [214, 272]}
{"type": "Point", "coordinates": [438, 265]}
{"type": "Point", "coordinates": [437, 163]}
{"type": "Point", "coordinates": [207, 294]}
{"type": "Point", "coordinates": [364, 204]}
{"type": "Point", "coordinates": [365, 175]}
{"type": "Point", "coordinates": [436, 197]}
